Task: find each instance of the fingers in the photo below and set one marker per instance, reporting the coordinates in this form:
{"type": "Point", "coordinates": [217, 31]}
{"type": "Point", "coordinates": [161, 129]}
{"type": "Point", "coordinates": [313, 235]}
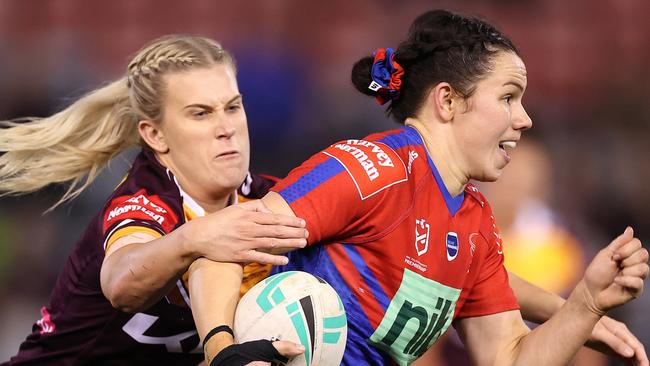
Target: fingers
{"type": "Point", "coordinates": [268, 218]}
{"type": "Point", "coordinates": [627, 249]}
{"type": "Point", "coordinates": [626, 343]}
{"type": "Point", "coordinates": [277, 245]}
{"type": "Point", "coordinates": [280, 232]}
{"type": "Point", "coordinates": [638, 257]}
{"type": "Point", "coordinates": [616, 335]}
{"type": "Point", "coordinates": [288, 349]}
{"type": "Point", "coordinates": [640, 270]}
{"type": "Point", "coordinates": [264, 258]}
{"type": "Point", "coordinates": [622, 239]}
{"type": "Point", "coordinates": [631, 283]}
{"type": "Point", "coordinates": [615, 342]}
{"type": "Point", "coordinates": [254, 205]}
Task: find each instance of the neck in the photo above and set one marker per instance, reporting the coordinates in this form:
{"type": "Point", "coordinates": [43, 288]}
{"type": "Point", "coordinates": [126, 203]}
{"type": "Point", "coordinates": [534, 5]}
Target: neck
{"type": "Point", "coordinates": [211, 206]}
{"type": "Point", "coordinates": [442, 156]}
{"type": "Point", "coordinates": [209, 202]}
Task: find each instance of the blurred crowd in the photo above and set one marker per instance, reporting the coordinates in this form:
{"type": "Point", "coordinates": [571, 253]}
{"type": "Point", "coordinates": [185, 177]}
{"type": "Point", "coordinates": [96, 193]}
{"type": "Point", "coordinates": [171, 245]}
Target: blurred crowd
{"type": "Point", "coordinates": [577, 181]}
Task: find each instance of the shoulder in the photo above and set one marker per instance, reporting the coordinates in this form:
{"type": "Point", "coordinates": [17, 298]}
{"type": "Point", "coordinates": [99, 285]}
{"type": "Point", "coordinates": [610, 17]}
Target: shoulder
{"type": "Point", "coordinates": [489, 229]}
{"type": "Point", "coordinates": [148, 193]}
{"type": "Point", "coordinates": [374, 163]}
{"type": "Point", "coordinates": [472, 192]}
{"type": "Point", "coordinates": [256, 186]}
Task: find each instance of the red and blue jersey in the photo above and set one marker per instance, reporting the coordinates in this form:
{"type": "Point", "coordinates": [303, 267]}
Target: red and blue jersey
{"type": "Point", "coordinates": [405, 256]}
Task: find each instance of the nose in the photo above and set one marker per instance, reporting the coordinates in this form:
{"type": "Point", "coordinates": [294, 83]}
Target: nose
{"type": "Point", "coordinates": [521, 120]}
{"type": "Point", "coordinates": [225, 128]}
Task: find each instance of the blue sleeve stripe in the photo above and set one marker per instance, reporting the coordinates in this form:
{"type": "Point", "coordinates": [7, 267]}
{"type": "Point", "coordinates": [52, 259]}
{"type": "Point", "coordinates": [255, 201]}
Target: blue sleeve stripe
{"type": "Point", "coordinates": [308, 182]}
{"type": "Point", "coordinates": [367, 276]}
{"type": "Point", "coordinates": [400, 139]}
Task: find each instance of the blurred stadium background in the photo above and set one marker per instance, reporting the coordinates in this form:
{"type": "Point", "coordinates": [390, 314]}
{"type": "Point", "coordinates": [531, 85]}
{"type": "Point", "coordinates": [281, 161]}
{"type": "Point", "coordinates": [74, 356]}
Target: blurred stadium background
{"type": "Point", "coordinates": [588, 95]}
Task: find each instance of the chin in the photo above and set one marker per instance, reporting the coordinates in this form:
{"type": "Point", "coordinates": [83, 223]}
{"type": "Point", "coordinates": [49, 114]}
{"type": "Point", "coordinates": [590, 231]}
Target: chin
{"type": "Point", "coordinates": [489, 176]}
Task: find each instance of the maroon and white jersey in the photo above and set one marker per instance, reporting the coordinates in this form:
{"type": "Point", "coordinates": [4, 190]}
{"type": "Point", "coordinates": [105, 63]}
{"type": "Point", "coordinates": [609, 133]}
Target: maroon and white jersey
{"type": "Point", "coordinates": [79, 325]}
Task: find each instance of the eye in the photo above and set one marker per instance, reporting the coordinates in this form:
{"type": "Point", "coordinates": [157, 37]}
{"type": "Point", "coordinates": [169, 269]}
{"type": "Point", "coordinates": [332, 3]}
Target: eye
{"type": "Point", "coordinates": [200, 113]}
{"type": "Point", "coordinates": [234, 107]}
{"type": "Point", "coordinates": [507, 98]}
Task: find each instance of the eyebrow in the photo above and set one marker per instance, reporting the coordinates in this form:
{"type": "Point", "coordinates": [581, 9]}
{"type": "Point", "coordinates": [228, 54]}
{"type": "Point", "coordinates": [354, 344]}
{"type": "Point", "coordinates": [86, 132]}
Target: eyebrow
{"type": "Point", "coordinates": [210, 107]}
{"type": "Point", "coordinates": [515, 84]}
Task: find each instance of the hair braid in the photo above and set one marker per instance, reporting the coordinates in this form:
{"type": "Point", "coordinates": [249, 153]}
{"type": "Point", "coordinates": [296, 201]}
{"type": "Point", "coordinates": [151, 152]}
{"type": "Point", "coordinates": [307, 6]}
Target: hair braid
{"type": "Point", "coordinates": [75, 144]}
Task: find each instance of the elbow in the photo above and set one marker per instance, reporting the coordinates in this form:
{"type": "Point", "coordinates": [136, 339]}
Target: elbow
{"type": "Point", "coordinates": [121, 295]}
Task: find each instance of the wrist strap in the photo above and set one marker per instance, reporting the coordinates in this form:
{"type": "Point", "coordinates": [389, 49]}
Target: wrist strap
{"type": "Point", "coordinates": [219, 329]}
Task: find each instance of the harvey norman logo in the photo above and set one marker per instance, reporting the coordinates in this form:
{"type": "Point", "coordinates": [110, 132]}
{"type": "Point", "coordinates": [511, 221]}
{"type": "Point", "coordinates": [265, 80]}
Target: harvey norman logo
{"type": "Point", "coordinates": [373, 166]}
{"type": "Point", "coordinates": [139, 206]}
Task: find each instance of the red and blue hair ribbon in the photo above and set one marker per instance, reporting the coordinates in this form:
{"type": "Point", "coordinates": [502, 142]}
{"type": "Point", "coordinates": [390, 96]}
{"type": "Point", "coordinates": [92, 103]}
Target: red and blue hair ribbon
{"type": "Point", "coordinates": [386, 75]}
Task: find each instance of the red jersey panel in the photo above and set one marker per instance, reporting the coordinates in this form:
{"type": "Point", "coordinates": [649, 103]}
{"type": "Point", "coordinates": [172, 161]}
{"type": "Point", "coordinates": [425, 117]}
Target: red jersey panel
{"type": "Point", "coordinates": [405, 256]}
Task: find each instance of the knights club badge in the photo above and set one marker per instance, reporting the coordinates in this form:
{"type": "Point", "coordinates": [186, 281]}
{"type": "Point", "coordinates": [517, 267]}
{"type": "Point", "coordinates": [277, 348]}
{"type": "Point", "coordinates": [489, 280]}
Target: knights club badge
{"type": "Point", "coordinates": [421, 236]}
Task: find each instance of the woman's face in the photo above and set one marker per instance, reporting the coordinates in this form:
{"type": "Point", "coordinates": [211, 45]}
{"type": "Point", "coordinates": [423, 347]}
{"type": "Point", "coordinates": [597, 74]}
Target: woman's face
{"type": "Point", "coordinates": [204, 126]}
{"type": "Point", "coordinates": [492, 120]}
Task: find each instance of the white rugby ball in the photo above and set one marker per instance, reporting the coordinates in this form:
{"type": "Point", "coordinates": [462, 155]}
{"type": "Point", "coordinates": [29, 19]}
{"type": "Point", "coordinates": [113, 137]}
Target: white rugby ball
{"type": "Point", "coordinates": [299, 307]}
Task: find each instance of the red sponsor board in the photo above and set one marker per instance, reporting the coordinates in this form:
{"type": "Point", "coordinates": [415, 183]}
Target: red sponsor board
{"type": "Point", "coordinates": [373, 166]}
{"type": "Point", "coordinates": [139, 206]}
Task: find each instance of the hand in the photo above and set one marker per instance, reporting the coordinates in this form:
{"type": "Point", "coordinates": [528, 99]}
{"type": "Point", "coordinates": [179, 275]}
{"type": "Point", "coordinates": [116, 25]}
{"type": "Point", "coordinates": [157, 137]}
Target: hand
{"type": "Point", "coordinates": [612, 337]}
{"type": "Point", "coordinates": [286, 349]}
{"type": "Point", "coordinates": [616, 274]}
{"type": "Point", "coordinates": [256, 353]}
{"type": "Point", "coordinates": [235, 234]}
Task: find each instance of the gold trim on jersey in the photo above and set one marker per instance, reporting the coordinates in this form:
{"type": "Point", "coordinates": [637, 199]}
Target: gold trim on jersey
{"type": "Point", "coordinates": [189, 213]}
{"type": "Point", "coordinates": [120, 233]}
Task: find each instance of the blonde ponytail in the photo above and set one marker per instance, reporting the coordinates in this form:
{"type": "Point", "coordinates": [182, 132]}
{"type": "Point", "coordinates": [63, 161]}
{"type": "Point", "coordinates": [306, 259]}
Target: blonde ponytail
{"type": "Point", "coordinates": [73, 145]}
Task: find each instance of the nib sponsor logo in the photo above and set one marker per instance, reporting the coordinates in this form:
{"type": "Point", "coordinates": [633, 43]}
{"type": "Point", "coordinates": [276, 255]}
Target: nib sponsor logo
{"type": "Point", "coordinates": [373, 166]}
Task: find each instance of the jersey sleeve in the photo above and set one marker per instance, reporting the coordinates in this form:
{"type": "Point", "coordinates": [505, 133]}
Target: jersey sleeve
{"type": "Point", "coordinates": [138, 212]}
{"type": "Point", "coordinates": [338, 190]}
{"type": "Point", "coordinates": [490, 292]}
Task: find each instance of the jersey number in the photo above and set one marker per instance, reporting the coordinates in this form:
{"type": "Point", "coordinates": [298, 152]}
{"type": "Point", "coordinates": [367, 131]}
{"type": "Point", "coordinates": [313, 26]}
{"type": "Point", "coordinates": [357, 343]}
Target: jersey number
{"type": "Point", "coordinates": [138, 325]}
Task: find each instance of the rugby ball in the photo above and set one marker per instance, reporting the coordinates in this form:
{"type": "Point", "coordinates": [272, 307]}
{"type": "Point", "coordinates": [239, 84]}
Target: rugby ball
{"type": "Point", "coordinates": [299, 307]}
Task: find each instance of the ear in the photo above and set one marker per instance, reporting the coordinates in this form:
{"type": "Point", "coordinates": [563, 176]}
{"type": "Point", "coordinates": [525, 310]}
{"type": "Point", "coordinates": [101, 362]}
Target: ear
{"type": "Point", "coordinates": [444, 101]}
{"type": "Point", "coordinates": [153, 136]}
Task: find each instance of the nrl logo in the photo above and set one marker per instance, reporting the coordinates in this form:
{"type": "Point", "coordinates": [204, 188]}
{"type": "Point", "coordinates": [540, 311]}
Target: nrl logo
{"type": "Point", "coordinates": [421, 236]}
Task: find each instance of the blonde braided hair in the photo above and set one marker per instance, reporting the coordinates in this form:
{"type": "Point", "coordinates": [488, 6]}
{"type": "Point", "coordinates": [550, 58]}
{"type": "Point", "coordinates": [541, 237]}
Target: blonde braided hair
{"type": "Point", "coordinates": [74, 145]}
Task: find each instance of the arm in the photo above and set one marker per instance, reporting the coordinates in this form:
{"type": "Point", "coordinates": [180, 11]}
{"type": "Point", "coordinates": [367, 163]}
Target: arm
{"type": "Point", "coordinates": [214, 293]}
{"type": "Point", "coordinates": [608, 336]}
{"type": "Point", "coordinates": [614, 277]}
{"type": "Point", "coordinates": [139, 268]}
{"type": "Point", "coordinates": [537, 305]}
{"type": "Point", "coordinates": [503, 338]}
{"type": "Point", "coordinates": [213, 306]}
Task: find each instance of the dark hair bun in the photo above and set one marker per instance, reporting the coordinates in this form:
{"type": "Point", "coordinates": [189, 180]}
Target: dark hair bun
{"type": "Point", "coordinates": [361, 75]}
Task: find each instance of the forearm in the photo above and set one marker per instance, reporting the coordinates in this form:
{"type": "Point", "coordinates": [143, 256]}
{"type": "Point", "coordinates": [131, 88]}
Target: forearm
{"type": "Point", "coordinates": [214, 294]}
{"type": "Point", "coordinates": [536, 304]}
{"type": "Point", "coordinates": [139, 274]}
{"type": "Point", "coordinates": [556, 341]}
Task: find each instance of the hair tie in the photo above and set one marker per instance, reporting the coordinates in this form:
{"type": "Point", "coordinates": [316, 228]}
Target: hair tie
{"type": "Point", "coordinates": [386, 75]}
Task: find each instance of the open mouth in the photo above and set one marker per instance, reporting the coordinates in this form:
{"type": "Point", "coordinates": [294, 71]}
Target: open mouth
{"type": "Point", "coordinates": [510, 145]}
{"type": "Point", "coordinates": [505, 146]}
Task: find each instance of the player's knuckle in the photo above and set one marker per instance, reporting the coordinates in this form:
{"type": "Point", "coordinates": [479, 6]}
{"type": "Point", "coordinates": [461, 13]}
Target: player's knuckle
{"type": "Point", "coordinates": [273, 242]}
{"type": "Point", "coordinates": [276, 232]}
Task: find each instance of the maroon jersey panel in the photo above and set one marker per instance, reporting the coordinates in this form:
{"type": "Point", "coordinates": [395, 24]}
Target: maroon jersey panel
{"type": "Point", "coordinates": [79, 325]}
